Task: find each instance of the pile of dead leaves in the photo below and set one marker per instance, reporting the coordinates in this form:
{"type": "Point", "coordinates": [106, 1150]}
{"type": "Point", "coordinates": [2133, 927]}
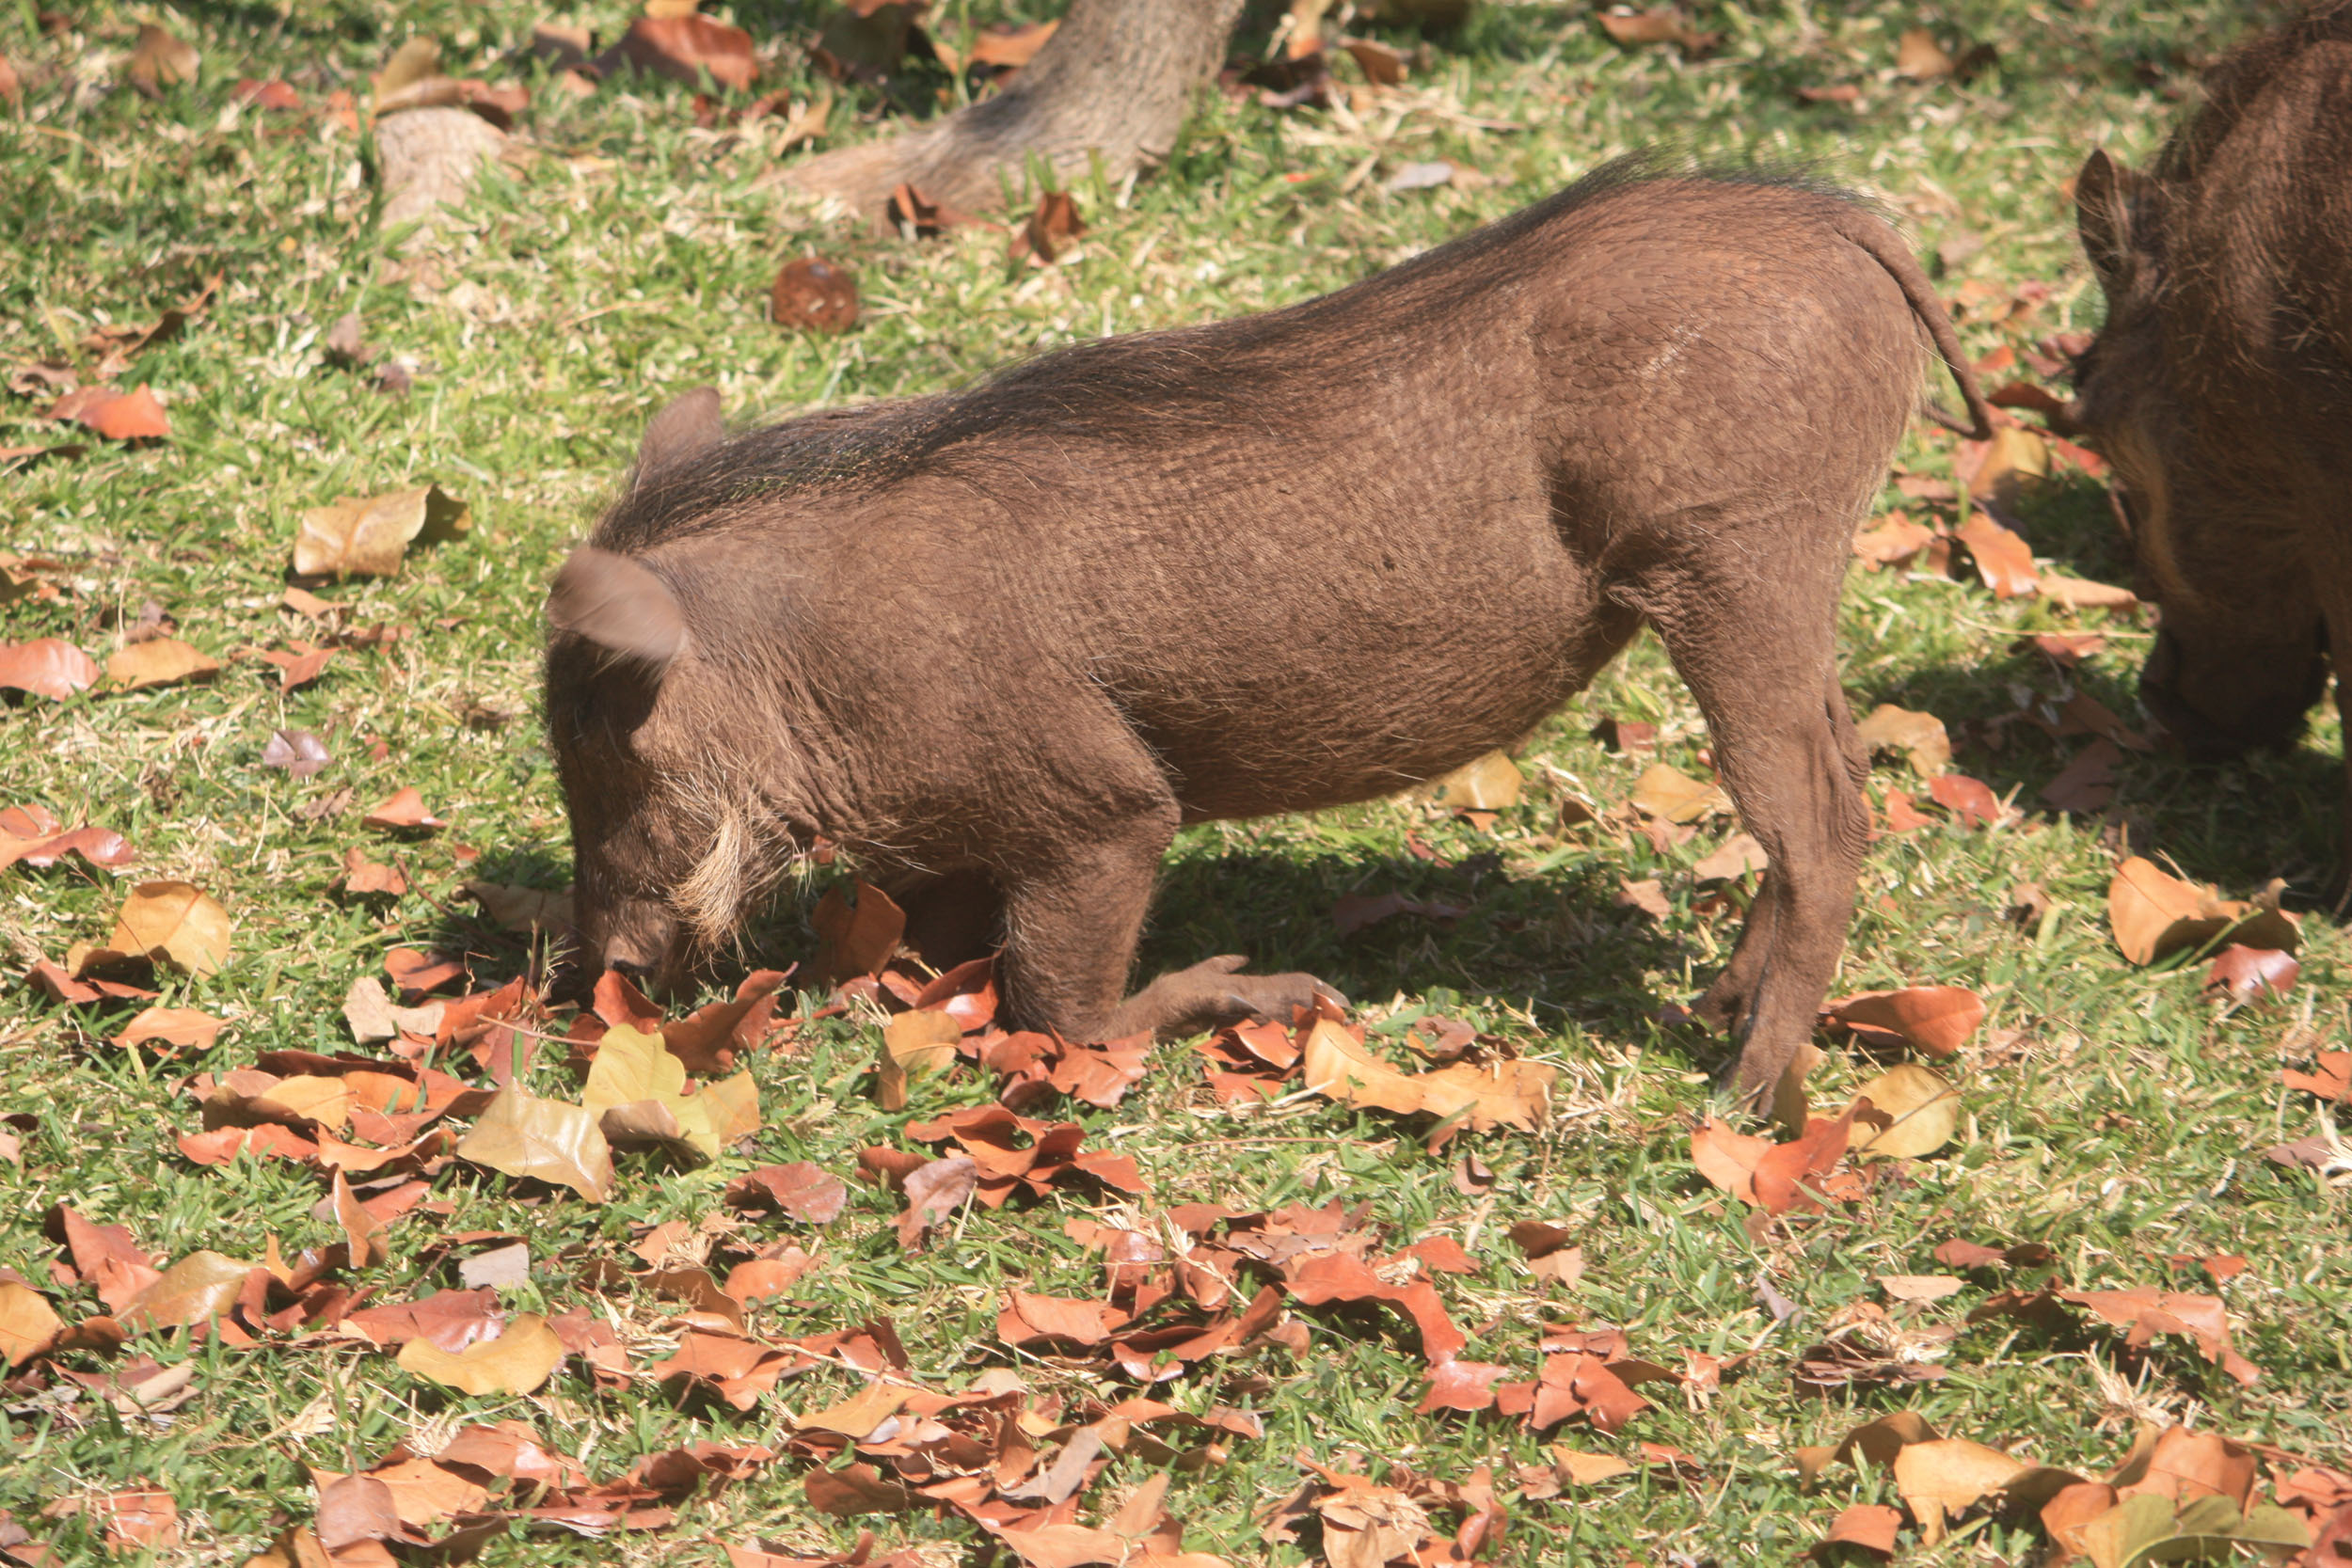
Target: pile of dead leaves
{"type": "Point", "coordinates": [2177, 1494]}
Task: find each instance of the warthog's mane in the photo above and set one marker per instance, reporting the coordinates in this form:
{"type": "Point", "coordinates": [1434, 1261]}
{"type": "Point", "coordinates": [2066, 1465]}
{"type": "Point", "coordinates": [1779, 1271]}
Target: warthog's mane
{"type": "Point", "coordinates": [1127, 391]}
{"type": "Point", "coordinates": [2232, 83]}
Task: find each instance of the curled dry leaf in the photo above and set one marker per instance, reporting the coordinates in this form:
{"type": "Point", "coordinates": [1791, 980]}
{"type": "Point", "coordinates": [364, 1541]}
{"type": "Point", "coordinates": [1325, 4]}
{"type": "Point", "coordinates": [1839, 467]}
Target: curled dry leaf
{"type": "Point", "coordinates": [369, 536]}
{"type": "Point", "coordinates": [1935, 1020]}
{"type": "Point", "coordinates": [521, 1359]}
{"type": "Point", "coordinates": [159, 661]}
{"type": "Point", "coordinates": [1775, 1177]}
{"type": "Point", "coordinates": [2153, 915]}
{"type": "Point", "coordinates": [32, 835]}
{"type": "Point", "coordinates": [543, 1139]}
{"type": "Point", "coordinates": [46, 667]}
{"type": "Point", "coordinates": [801, 1190]}
{"type": "Point", "coordinates": [173, 923]}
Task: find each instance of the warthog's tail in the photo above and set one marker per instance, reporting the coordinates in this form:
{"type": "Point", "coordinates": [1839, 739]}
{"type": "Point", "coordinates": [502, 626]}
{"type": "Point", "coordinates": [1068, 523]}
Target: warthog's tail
{"type": "Point", "coordinates": [1891, 253]}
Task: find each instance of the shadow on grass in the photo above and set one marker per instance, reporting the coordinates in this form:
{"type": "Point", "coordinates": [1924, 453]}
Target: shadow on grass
{"type": "Point", "coordinates": [2272, 812]}
{"type": "Point", "coordinates": [1556, 945]}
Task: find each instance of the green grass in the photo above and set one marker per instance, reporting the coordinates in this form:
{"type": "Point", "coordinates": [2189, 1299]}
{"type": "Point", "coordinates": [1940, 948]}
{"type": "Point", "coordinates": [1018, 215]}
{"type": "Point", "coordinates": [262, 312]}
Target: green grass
{"type": "Point", "coordinates": [2110, 1111]}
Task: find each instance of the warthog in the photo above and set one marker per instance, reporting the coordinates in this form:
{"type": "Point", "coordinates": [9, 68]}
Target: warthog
{"type": "Point", "coordinates": [1003, 642]}
{"type": "Point", "coordinates": [2220, 387]}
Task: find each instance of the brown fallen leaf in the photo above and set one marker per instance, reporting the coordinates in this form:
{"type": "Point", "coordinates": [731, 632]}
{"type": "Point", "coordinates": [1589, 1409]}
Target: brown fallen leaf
{"type": "Point", "coordinates": [369, 536]}
{"type": "Point", "coordinates": [1867, 1528]}
{"type": "Point", "coordinates": [404, 809]}
{"type": "Point", "coordinates": [1775, 1177]}
{"type": "Point", "coordinates": [184, 1026]}
{"type": "Point", "coordinates": [2004, 560]}
{"type": "Point", "coordinates": [2087, 784]}
{"type": "Point", "coordinates": [46, 667]}
{"type": "Point", "coordinates": [2244, 974]}
{"type": "Point", "coordinates": [1646, 896]}
{"type": "Point", "coordinates": [2330, 1077]}
{"type": "Point", "coordinates": [1999, 471]}
{"type": "Point", "coordinates": [117, 416]}
{"type": "Point", "coordinates": [2146, 1312]}
{"type": "Point", "coordinates": [801, 1190]}
{"type": "Point", "coordinates": [1658, 25]}
{"type": "Point", "coordinates": [30, 834]}
{"type": "Point", "coordinates": [1893, 541]}
{"type": "Point", "coordinates": [173, 923]}
{"type": "Point", "coordinates": [813, 295]}
{"type": "Point", "coordinates": [1734, 859]}
{"type": "Point", "coordinates": [139, 1518]}
{"type": "Point", "coordinates": [1971, 799]}
{"type": "Point", "coordinates": [2080, 593]}
{"type": "Point", "coordinates": [30, 1326]}
{"type": "Point", "coordinates": [1935, 1020]}
{"type": "Point", "coordinates": [300, 752]}
{"type": "Point", "coordinates": [160, 661]}
{"type": "Point", "coordinates": [934, 1191]}
{"type": "Point", "coordinates": [855, 939]}
{"type": "Point", "coordinates": [1006, 46]}
{"type": "Point", "coordinates": [2153, 915]}
{"type": "Point", "coordinates": [1920, 57]}
{"type": "Point", "coordinates": [682, 48]}
{"type": "Point", "coordinates": [1052, 229]}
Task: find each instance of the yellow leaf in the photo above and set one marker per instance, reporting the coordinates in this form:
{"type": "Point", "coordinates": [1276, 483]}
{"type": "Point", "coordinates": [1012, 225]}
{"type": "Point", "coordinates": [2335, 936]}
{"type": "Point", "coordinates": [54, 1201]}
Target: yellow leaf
{"type": "Point", "coordinates": [544, 1139]}
{"type": "Point", "coordinates": [1911, 1111]}
{"type": "Point", "coordinates": [520, 1359]}
{"type": "Point", "coordinates": [200, 1287]}
{"type": "Point", "coordinates": [860, 1413]}
{"type": "Point", "coordinates": [631, 1066]}
{"type": "Point", "coordinates": [1921, 736]}
{"type": "Point", "coordinates": [369, 536]}
{"type": "Point", "coordinates": [923, 1041]}
{"type": "Point", "coordinates": [1662, 792]}
{"type": "Point", "coordinates": [1940, 1478]}
{"type": "Point", "coordinates": [1515, 1094]}
{"type": "Point", "coordinates": [173, 921]}
{"type": "Point", "coordinates": [1490, 783]}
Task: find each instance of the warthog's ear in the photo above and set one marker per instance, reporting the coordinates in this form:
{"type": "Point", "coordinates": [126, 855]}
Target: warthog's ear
{"type": "Point", "coordinates": [616, 603]}
{"type": "Point", "coordinates": [686, 425]}
{"type": "Point", "coordinates": [2102, 214]}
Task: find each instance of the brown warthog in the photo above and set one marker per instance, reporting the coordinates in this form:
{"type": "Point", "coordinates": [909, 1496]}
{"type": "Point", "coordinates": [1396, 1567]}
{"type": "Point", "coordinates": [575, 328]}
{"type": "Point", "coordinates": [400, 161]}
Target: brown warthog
{"type": "Point", "coordinates": [2221, 386]}
{"type": "Point", "coordinates": [1003, 642]}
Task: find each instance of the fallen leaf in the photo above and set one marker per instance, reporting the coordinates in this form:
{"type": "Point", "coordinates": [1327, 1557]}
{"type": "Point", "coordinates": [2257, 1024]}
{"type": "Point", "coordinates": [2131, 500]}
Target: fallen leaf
{"type": "Point", "coordinates": [1507, 1093]}
{"type": "Point", "coordinates": [173, 922]}
{"type": "Point", "coordinates": [801, 1190]}
{"type": "Point", "coordinates": [404, 809]}
{"type": "Point", "coordinates": [140, 1518]}
{"type": "Point", "coordinates": [1008, 46]}
{"type": "Point", "coordinates": [1739, 855]}
{"type": "Point", "coordinates": [364, 876]}
{"type": "Point", "coordinates": [683, 47]}
{"type": "Point", "coordinates": [1920, 1287]}
{"type": "Point", "coordinates": [1911, 1111]}
{"type": "Point", "coordinates": [1999, 471]}
{"type": "Point", "coordinates": [1920, 736]}
{"type": "Point", "coordinates": [922, 1041]}
{"type": "Point", "coordinates": [369, 536]}
{"type": "Point", "coordinates": [1936, 1020]}
{"type": "Point", "coordinates": [1052, 229]}
{"type": "Point", "coordinates": [2087, 784]}
{"type": "Point", "coordinates": [298, 752]}
{"type": "Point", "coordinates": [2330, 1080]}
{"type": "Point", "coordinates": [2244, 974]}
{"type": "Point", "coordinates": [1866, 1526]}
{"type": "Point", "coordinates": [1673, 796]}
{"type": "Point", "coordinates": [2153, 915]}
{"type": "Point", "coordinates": [1352, 912]}
{"type": "Point", "coordinates": [46, 667]}
{"type": "Point", "coordinates": [855, 939]}
{"type": "Point", "coordinates": [1918, 57]}
{"type": "Point", "coordinates": [1658, 25]}
{"type": "Point", "coordinates": [1646, 896]}
{"type": "Point", "coordinates": [522, 1357]}
{"type": "Point", "coordinates": [173, 1026]}
{"type": "Point", "coordinates": [2004, 561]}
{"type": "Point", "coordinates": [1490, 783]}
{"type": "Point", "coordinates": [2078, 593]}
{"type": "Point", "coordinates": [813, 295]}
{"type": "Point", "coordinates": [29, 1326]}
{"type": "Point", "coordinates": [1971, 799]}
{"type": "Point", "coordinates": [200, 1287]}
{"type": "Point", "coordinates": [159, 661]}
{"type": "Point", "coordinates": [1893, 541]}
{"type": "Point", "coordinates": [1944, 1476]}
{"type": "Point", "coordinates": [934, 1191]}
{"type": "Point", "coordinates": [543, 1139]}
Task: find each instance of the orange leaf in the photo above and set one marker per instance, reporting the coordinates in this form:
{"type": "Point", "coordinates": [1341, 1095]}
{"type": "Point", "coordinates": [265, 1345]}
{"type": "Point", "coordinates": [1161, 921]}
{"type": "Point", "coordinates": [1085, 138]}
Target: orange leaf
{"type": "Point", "coordinates": [1937, 1019]}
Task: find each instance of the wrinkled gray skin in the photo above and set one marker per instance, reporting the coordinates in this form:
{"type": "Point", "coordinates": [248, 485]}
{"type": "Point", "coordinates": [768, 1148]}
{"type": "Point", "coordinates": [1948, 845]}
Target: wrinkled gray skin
{"type": "Point", "coordinates": [1001, 644]}
{"type": "Point", "coordinates": [2220, 387]}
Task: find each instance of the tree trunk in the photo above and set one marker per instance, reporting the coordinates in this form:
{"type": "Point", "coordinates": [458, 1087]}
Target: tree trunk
{"type": "Point", "coordinates": [1112, 83]}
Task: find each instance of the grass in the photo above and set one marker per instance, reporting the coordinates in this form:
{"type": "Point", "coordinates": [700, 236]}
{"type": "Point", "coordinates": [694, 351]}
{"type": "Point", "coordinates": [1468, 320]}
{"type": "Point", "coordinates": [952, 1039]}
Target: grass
{"type": "Point", "coordinates": [2111, 1112]}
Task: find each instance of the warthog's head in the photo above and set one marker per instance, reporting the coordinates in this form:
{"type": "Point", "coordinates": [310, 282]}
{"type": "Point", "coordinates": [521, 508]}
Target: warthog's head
{"type": "Point", "coordinates": [670, 840]}
{"type": "Point", "coordinates": [2242, 651]}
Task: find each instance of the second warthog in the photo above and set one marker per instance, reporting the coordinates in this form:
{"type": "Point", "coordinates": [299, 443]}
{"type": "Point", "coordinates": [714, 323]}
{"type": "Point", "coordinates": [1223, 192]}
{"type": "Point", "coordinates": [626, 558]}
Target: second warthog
{"type": "Point", "coordinates": [2220, 386]}
{"type": "Point", "coordinates": [1003, 642]}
